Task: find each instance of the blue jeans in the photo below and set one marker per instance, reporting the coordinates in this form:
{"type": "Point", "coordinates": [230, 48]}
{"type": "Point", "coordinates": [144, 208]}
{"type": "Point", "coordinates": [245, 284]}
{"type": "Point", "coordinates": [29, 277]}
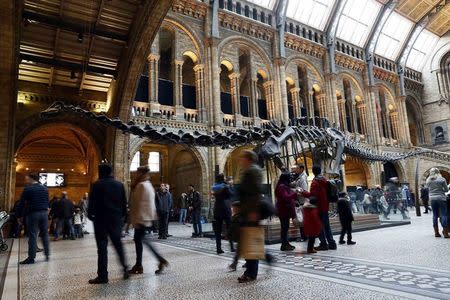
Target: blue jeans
{"type": "Point", "coordinates": [68, 224]}
{"type": "Point", "coordinates": [326, 235]}
{"type": "Point", "coordinates": [37, 222]}
{"type": "Point", "coordinates": [183, 212]}
{"type": "Point", "coordinates": [439, 208]}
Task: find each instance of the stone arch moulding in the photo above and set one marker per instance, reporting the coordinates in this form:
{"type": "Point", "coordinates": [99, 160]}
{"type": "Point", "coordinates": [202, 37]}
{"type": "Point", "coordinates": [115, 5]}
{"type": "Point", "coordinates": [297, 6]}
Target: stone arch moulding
{"type": "Point", "coordinates": [400, 168]}
{"type": "Point", "coordinates": [389, 95]}
{"type": "Point", "coordinates": [253, 46]}
{"type": "Point", "coordinates": [300, 60]}
{"type": "Point", "coordinates": [227, 63]}
{"type": "Point", "coordinates": [435, 62]}
{"type": "Point", "coordinates": [69, 125]}
{"type": "Point", "coordinates": [35, 123]}
{"type": "Point", "coordinates": [172, 22]}
{"type": "Point", "coordinates": [356, 84]}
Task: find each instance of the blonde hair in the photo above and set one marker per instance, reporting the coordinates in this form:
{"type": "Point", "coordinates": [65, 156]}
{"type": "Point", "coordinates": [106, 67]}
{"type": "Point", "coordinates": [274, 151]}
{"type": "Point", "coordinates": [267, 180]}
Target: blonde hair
{"type": "Point", "coordinates": [435, 172]}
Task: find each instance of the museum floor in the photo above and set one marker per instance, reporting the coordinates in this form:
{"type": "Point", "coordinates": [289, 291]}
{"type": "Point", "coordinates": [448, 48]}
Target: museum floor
{"type": "Point", "coordinates": [390, 263]}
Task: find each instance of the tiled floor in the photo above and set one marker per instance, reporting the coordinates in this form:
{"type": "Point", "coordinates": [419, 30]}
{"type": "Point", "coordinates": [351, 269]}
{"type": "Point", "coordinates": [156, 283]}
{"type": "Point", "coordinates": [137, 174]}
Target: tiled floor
{"type": "Point", "coordinates": [391, 263]}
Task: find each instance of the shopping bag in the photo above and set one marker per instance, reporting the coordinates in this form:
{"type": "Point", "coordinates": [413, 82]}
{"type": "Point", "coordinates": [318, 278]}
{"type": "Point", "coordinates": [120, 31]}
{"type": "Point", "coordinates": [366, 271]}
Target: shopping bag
{"type": "Point", "coordinates": [251, 244]}
{"type": "Point", "coordinates": [299, 216]}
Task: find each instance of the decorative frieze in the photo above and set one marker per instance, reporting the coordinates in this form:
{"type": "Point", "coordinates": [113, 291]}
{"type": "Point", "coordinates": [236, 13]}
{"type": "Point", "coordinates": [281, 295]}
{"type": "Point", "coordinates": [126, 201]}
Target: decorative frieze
{"type": "Point", "coordinates": [304, 46]}
{"type": "Point", "coordinates": [194, 9]}
{"type": "Point", "coordinates": [246, 26]}
{"type": "Point", "coordinates": [349, 62]}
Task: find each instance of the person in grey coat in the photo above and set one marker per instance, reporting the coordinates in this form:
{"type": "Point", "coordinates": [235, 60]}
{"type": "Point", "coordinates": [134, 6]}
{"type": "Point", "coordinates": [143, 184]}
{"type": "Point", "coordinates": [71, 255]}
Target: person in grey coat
{"type": "Point", "coordinates": [437, 187]}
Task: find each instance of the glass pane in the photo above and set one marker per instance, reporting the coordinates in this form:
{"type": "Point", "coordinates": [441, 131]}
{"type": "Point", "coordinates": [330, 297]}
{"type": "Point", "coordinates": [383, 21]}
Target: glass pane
{"type": "Point", "coordinates": [153, 161]}
{"type": "Point", "coordinates": [135, 161]}
{"type": "Point", "coordinates": [393, 36]}
{"type": "Point", "coordinates": [314, 13]}
{"type": "Point", "coordinates": [422, 48]}
{"type": "Point", "coordinates": [357, 20]}
{"type": "Point", "coordinates": [264, 3]}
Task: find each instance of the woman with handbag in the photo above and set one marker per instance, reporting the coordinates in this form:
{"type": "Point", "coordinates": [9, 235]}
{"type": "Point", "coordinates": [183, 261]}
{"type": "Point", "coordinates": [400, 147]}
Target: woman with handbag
{"type": "Point", "coordinates": [285, 208]}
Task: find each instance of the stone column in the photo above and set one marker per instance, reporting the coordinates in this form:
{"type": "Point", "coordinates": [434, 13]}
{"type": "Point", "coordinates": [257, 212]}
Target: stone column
{"type": "Point", "coordinates": [153, 78]}
{"type": "Point", "coordinates": [372, 117]}
{"type": "Point", "coordinates": [342, 114]}
{"type": "Point", "coordinates": [268, 90]}
{"type": "Point", "coordinates": [311, 119]}
{"type": "Point", "coordinates": [322, 105]}
{"type": "Point", "coordinates": [394, 122]}
{"type": "Point", "coordinates": [254, 101]}
{"type": "Point", "coordinates": [9, 28]}
{"type": "Point", "coordinates": [295, 94]}
{"type": "Point", "coordinates": [362, 116]}
{"type": "Point", "coordinates": [236, 98]}
{"type": "Point", "coordinates": [280, 92]}
{"type": "Point", "coordinates": [215, 112]}
{"type": "Point", "coordinates": [332, 105]}
{"type": "Point", "coordinates": [200, 91]}
{"type": "Point", "coordinates": [403, 120]}
{"type": "Point", "coordinates": [178, 89]}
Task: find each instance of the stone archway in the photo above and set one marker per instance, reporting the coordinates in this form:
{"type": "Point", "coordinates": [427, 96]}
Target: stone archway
{"type": "Point", "coordinates": [356, 173]}
{"type": "Point", "coordinates": [58, 148]}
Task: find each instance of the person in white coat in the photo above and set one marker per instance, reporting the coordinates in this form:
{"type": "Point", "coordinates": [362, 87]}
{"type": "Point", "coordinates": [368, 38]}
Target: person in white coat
{"type": "Point", "coordinates": [142, 215]}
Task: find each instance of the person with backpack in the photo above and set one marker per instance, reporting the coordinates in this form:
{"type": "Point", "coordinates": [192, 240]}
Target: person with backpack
{"type": "Point", "coordinates": [320, 189]}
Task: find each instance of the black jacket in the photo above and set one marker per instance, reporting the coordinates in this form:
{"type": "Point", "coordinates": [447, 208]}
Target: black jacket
{"type": "Point", "coordinates": [107, 199]}
{"type": "Point", "coordinates": [33, 198]}
{"type": "Point", "coordinates": [223, 198]}
{"type": "Point", "coordinates": [163, 202]}
{"type": "Point", "coordinates": [424, 194]}
{"type": "Point", "coordinates": [344, 210]}
{"type": "Point", "coordinates": [65, 209]}
{"type": "Point", "coordinates": [195, 200]}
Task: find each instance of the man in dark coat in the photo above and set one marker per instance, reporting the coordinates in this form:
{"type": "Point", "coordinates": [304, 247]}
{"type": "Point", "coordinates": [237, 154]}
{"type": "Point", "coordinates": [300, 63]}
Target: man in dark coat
{"type": "Point", "coordinates": [33, 206]}
{"type": "Point", "coordinates": [249, 193]}
{"type": "Point", "coordinates": [163, 206]}
{"type": "Point", "coordinates": [107, 209]}
{"type": "Point", "coordinates": [195, 206]}
{"type": "Point", "coordinates": [222, 210]}
{"type": "Point", "coordinates": [65, 210]}
{"type": "Point", "coordinates": [346, 218]}
{"type": "Point", "coordinates": [424, 196]}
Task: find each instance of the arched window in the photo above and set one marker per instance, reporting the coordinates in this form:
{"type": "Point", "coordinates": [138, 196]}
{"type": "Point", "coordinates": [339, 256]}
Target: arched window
{"type": "Point", "coordinates": [245, 79]}
{"type": "Point", "coordinates": [154, 162]}
{"type": "Point", "coordinates": [304, 89]}
{"type": "Point", "coordinates": [262, 101]}
{"type": "Point", "coordinates": [135, 162]}
{"type": "Point", "coordinates": [226, 103]}
{"type": "Point", "coordinates": [189, 89]}
{"type": "Point", "coordinates": [166, 73]}
{"type": "Point", "coordinates": [382, 114]}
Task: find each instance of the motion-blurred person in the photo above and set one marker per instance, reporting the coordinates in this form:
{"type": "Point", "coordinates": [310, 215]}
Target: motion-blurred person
{"type": "Point", "coordinates": [285, 205]}
{"type": "Point", "coordinates": [222, 210]}
{"type": "Point", "coordinates": [107, 209]}
{"type": "Point", "coordinates": [437, 187]}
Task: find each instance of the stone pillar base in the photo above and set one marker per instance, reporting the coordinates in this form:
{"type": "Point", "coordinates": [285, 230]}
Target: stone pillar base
{"type": "Point", "coordinates": [238, 120]}
{"type": "Point", "coordinates": [154, 109]}
{"type": "Point", "coordinates": [179, 112]}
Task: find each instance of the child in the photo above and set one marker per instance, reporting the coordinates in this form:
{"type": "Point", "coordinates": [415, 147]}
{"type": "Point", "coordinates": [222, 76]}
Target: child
{"type": "Point", "coordinates": [77, 221]}
{"type": "Point", "coordinates": [233, 232]}
{"type": "Point", "coordinates": [311, 223]}
{"type": "Point", "coordinates": [346, 218]}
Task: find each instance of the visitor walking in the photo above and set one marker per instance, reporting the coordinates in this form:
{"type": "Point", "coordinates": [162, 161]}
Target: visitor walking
{"type": "Point", "coordinates": [424, 196]}
{"type": "Point", "coordinates": [345, 218]}
{"type": "Point", "coordinates": [222, 210]}
{"type": "Point", "coordinates": [319, 187]}
{"type": "Point", "coordinates": [142, 215]}
{"type": "Point", "coordinates": [107, 209]}
{"type": "Point", "coordinates": [437, 187]}
{"type": "Point", "coordinates": [195, 207]}
{"type": "Point", "coordinates": [183, 208]}
{"type": "Point", "coordinates": [285, 205]}
{"type": "Point", "coordinates": [65, 210]}
{"type": "Point", "coordinates": [33, 206]}
{"type": "Point", "coordinates": [250, 190]}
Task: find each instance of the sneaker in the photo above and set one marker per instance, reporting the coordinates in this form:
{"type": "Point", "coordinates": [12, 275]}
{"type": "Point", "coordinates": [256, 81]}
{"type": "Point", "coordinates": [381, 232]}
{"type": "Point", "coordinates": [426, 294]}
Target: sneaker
{"type": "Point", "coordinates": [98, 280]}
{"type": "Point", "coordinates": [39, 249]}
{"type": "Point", "coordinates": [351, 243]}
{"type": "Point", "coordinates": [341, 242]}
{"type": "Point", "coordinates": [27, 261]}
{"type": "Point", "coordinates": [232, 267]}
{"type": "Point", "coordinates": [126, 274]}
{"type": "Point", "coordinates": [220, 251]}
{"type": "Point", "coordinates": [311, 251]}
{"type": "Point", "coordinates": [332, 247]}
{"type": "Point", "coordinates": [287, 247]}
{"type": "Point", "coordinates": [136, 270]}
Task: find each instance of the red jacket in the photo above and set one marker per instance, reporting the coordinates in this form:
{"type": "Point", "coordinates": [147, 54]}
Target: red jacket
{"type": "Point", "coordinates": [285, 201]}
{"type": "Point", "coordinates": [319, 190]}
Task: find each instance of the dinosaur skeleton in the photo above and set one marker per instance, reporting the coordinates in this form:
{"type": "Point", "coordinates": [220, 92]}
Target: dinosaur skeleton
{"type": "Point", "coordinates": [325, 143]}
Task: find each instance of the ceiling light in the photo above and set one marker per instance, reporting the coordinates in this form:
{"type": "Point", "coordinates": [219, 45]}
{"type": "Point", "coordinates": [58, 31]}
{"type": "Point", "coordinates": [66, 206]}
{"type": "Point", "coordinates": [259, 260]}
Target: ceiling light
{"type": "Point", "coordinates": [42, 169]}
{"type": "Point", "coordinates": [58, 169]}
{"type": "Point", "coordinates": [72, 170]}
{"type": "Point", "coordinates": [80, 37]}
{"type": "Point", "coordinates": [27, 169]}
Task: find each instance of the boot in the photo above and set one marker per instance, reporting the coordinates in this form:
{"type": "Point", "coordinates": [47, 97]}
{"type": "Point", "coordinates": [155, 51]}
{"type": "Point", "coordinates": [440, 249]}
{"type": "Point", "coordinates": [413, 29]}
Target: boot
{"type": "Point", "coordinates": [436, 231]}
{"type": "Point", "coordinates": [445, 233]}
